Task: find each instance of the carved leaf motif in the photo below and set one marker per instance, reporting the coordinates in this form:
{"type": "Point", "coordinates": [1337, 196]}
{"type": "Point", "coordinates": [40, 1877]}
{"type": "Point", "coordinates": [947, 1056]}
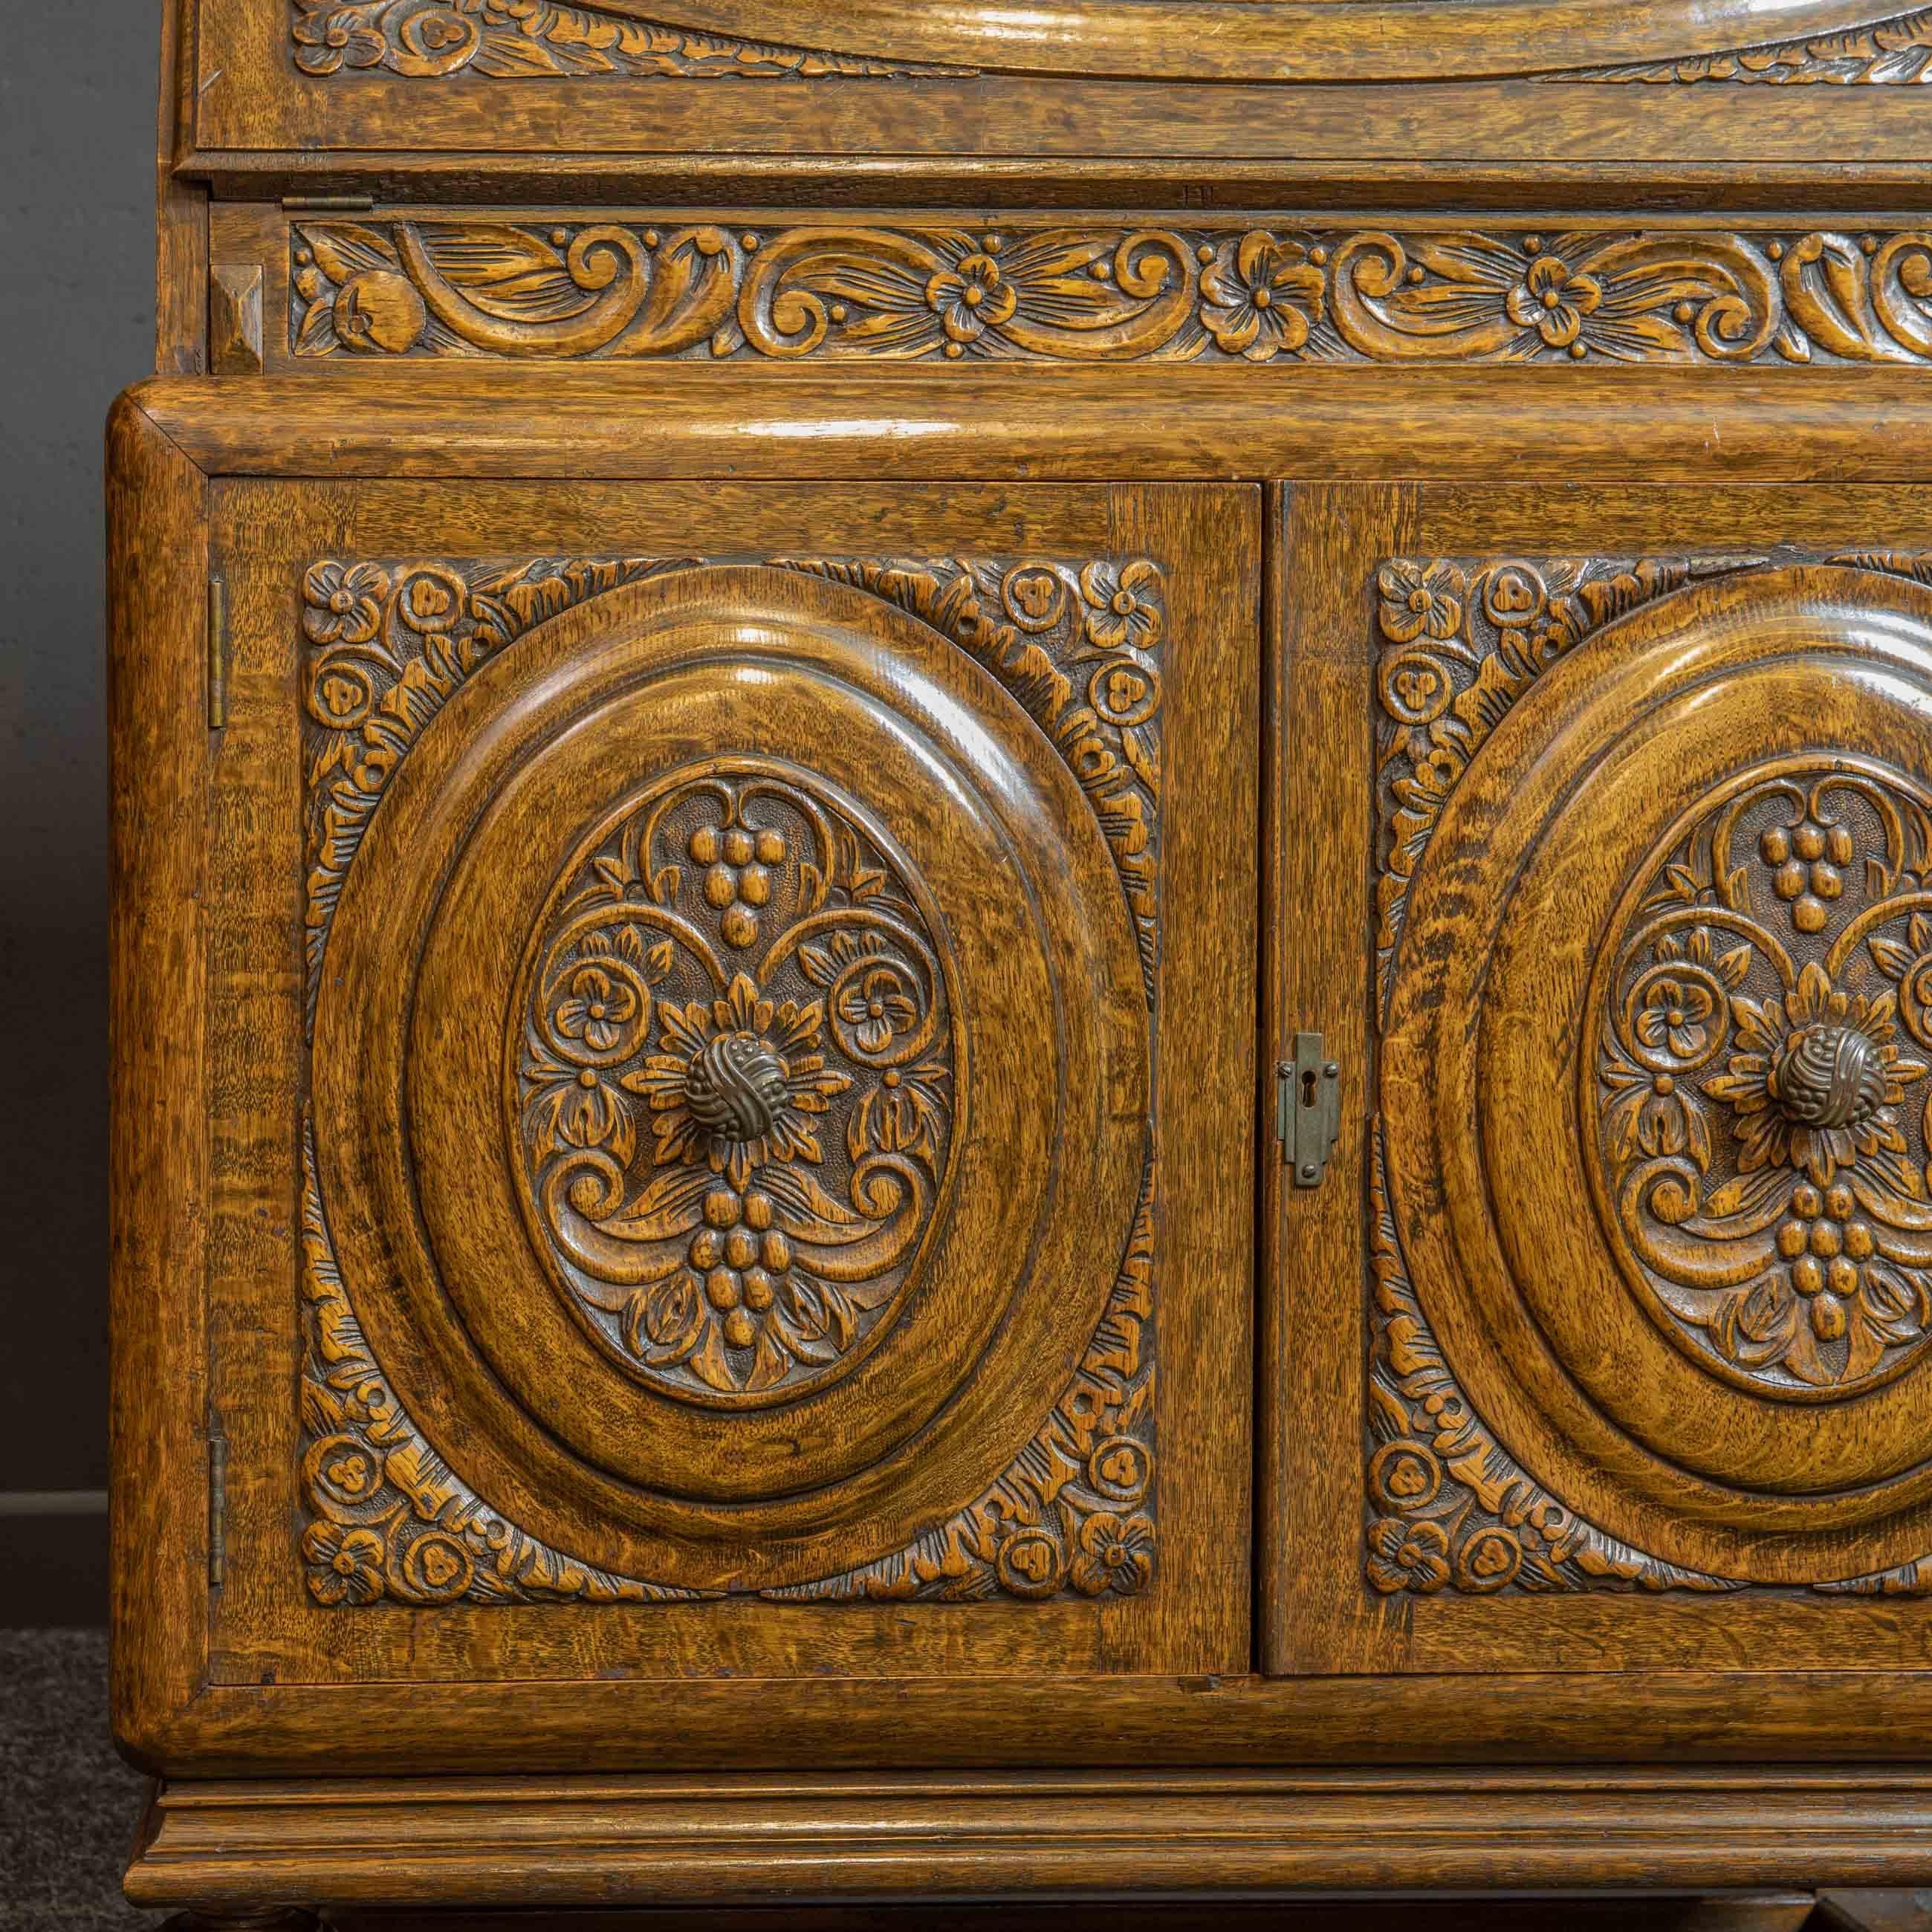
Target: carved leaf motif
{"type": "Point", "coordinates": [1244, 298]}
{"type": "Point", "coordinates": [437, 624]}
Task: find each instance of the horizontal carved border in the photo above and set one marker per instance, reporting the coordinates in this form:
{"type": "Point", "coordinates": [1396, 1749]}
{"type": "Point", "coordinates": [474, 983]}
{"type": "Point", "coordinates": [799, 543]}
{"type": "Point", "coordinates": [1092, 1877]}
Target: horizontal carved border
{"type": "Point", "coordinates": [1896, 53]}
{"type": "Point", "coordinates": [518, 40]}
{"type": "Point", "coordinates": [564, 288]}
{"type": "Point", "coordinates": [386, 644]}
{"type": "Point", "coordinates": [514, 40]}
{"type": "Point", "coordinates": [1459, 640]}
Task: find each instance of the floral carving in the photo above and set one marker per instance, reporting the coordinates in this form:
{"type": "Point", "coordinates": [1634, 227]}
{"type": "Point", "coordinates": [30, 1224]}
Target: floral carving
{"type": "Point", "coordinates": [1461, 642]}
{"type": "Point", "coordinates": [737, 962]}
{"type": "Point", "coordinates": [1075, 1511]}
{"type": "Point", "coordinates": [1766, 1101]}
{"type": "Point", "coordinates": [387, 1520]}
{"type": "Point", "coordinates": [388, 643]}
{"type": "Point", "coordinates": [1447, 1507]}
{"type": "Point", "coordinates": [566, 287]}
{"type": "Point", "coordinates": [1896, 53]}
{"type": "Point", "coordinates": [1080, 651]}
{"type": "Point", "coordinates": [1260, 297]}
{"type": "Point", "coordinates": [421, 39]}
{"type": "Point", "coordinates": [1757, 1038]}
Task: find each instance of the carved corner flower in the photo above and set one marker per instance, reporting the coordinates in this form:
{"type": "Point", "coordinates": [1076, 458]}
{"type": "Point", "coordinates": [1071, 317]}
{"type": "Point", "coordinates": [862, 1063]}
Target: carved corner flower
{"type": "Point", "coordinates": [1420, 599]}
{"type": "Point", "coordinates": [1116, 1552]}
{"type": "Point", "coordinates": [969, 298]}
{"type": "Point", "coordinates": [1553, 299]}
{"type": "Point", "coordinates": [346, 1564]}
{"type": "Point", "coordinates": [1123, 606]}
{"type": "Point", "coordinates": [1408, 1556]}
{"type": "Point", "coordinates": [330, 36]}
{"type": "Point", "coordinates": [1260, 298]}
{"type": "Point", "coordinates": [342, 603]}
{"type": "Point", "coordinates": [1815, 1080]}
{"type": "Point", "coordinates": [736, 1081]}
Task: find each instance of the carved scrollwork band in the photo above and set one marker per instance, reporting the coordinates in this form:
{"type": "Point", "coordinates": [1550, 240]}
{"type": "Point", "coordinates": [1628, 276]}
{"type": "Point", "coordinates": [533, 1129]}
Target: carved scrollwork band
{"type": "Point", "coordinates": [1896, 53]}
{"type": "Point", "coordinates": [736, 975]}
{"type": "Point", "coordinates": [511, 39]}
{"type": "Point", "coordinates": [430, 39]}
{"type": "Point", "coordinates": [1749, 1083]}
{"type": "Point", "coordinates": [565, 288]}
{"type": "Point", "coordinates": [712, 959]}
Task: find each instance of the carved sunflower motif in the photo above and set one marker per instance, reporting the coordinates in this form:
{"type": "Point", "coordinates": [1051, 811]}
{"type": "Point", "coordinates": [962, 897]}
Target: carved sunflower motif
{"type": "Point", "coordinates": [737, 1082]}
{"type": "Point", "coordinates": [1817, 1079]}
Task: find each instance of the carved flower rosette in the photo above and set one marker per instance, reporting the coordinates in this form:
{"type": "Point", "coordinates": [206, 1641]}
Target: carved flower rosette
{"type": "Point", "coordinates": [1754, 1084]}
{"type": "Point", "coordinates": [733, 1085]}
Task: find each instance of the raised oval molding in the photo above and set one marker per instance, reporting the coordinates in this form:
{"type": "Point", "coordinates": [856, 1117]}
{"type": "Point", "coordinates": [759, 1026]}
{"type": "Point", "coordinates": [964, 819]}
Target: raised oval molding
{"type": "Point", "coordinates": [1665, 40]}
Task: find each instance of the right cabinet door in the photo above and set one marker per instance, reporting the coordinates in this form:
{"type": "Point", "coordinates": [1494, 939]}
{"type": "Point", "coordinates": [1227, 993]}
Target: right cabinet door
{"type": "Point", "coordinates": [1603, 861]}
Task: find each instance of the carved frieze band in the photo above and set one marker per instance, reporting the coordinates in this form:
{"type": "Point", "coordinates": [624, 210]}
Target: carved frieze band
{"type": "Point", "coordinates": [1461, 640]}
{"type": "Point", "coordinates": [387, 643]}
{"type": "Point", "coordinates": [513, 39]}
{"type": "Point", "coordinates": [566, 288]}
{"type": "Point", "coordinates": [1896, 53]}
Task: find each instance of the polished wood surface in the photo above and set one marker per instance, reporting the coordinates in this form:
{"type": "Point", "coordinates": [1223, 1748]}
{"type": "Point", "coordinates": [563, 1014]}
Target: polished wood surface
{"type": "Point", "coordinates": [746, 1839]}
{"type": "Point", "coordinates": [765, 659]}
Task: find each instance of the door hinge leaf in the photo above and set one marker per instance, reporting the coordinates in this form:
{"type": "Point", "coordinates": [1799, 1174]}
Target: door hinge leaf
{"type": "Point", "coordinates": [217, 1506]}
{"type": "Point", "coordinates": [217, 654]}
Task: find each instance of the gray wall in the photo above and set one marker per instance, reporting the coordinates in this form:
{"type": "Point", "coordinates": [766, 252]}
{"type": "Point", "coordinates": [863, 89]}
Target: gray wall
{"type": "Point", "coordinates": [76, 322]}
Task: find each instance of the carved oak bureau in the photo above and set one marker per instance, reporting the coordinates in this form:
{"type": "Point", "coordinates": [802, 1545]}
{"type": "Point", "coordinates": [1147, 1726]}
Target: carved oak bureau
{"type": "Point", "coordinates": [1023, 934]}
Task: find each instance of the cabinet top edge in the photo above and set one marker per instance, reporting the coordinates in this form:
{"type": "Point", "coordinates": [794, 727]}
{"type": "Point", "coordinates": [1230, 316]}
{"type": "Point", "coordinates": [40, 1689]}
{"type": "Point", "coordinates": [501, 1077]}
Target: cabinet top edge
{"type": "Point", "coordinates": [1058, 424]}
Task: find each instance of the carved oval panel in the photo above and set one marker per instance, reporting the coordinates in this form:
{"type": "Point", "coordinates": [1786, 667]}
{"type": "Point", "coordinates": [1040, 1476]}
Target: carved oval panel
{"type": "Point", "coordinates": [1755, 1077]}
{"type": "Point", "coordinates": [733, 1088]}
{"type": "Point", "coordinates": [1657, 1244]}
{"type": "Point", "coordinates": [731, 1077]}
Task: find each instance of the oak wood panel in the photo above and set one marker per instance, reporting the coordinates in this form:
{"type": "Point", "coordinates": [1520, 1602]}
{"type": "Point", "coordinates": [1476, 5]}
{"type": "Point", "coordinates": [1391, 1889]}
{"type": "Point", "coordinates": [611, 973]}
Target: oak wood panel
{"type": "Point", "coordinates": [1339, 1622]}
{"type": "Point", "coordinates": [743, 1838]}
{"type": "Point", "coordinates": [1719, 1912]}
{"type": "Point", "coordinates": [1320, 40]}
{"type": "Point", "coordinates": [181, 224]}
{"type": "Point", "coordinates": [270, 1636]}
{"type": "Point", "coordinates": [1258, 299]}
{"type": "Point", "coordinates": [158, 1145]}
{"type": "Point", "coordinates": [1042, 424]}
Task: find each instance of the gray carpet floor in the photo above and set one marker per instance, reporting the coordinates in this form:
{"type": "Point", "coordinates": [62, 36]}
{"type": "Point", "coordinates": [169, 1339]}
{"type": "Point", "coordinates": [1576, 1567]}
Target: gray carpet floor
{"type": "Point", "coordinates": [67, 1804]}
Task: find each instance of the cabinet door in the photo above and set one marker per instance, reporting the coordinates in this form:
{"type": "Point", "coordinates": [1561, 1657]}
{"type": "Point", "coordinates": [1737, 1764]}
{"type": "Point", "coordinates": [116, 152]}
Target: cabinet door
{"type": "Point", "coordinates": [1607, 1342]}
{"type": "Point", "coordinates": [691, 972]}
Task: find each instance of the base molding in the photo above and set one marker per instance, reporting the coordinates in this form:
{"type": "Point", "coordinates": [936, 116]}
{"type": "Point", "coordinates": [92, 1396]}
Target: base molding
{"type": "Point", "coordinates": [751, 1838]}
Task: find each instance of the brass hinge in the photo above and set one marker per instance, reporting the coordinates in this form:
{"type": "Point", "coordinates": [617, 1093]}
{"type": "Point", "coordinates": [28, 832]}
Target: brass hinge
{"type": "Point", "coordinates": [218, 1503]}
{"type": "Point", "coordinates": [1308, 1108]}
{"type": "Point", "coordinates": [217, 654]}
{"type": "Point", "coordinates": [327, 204]}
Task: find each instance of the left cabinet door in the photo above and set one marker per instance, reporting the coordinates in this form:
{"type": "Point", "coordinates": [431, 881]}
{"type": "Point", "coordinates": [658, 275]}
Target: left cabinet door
{"type": "Point", "coordinates": [702, 993]}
